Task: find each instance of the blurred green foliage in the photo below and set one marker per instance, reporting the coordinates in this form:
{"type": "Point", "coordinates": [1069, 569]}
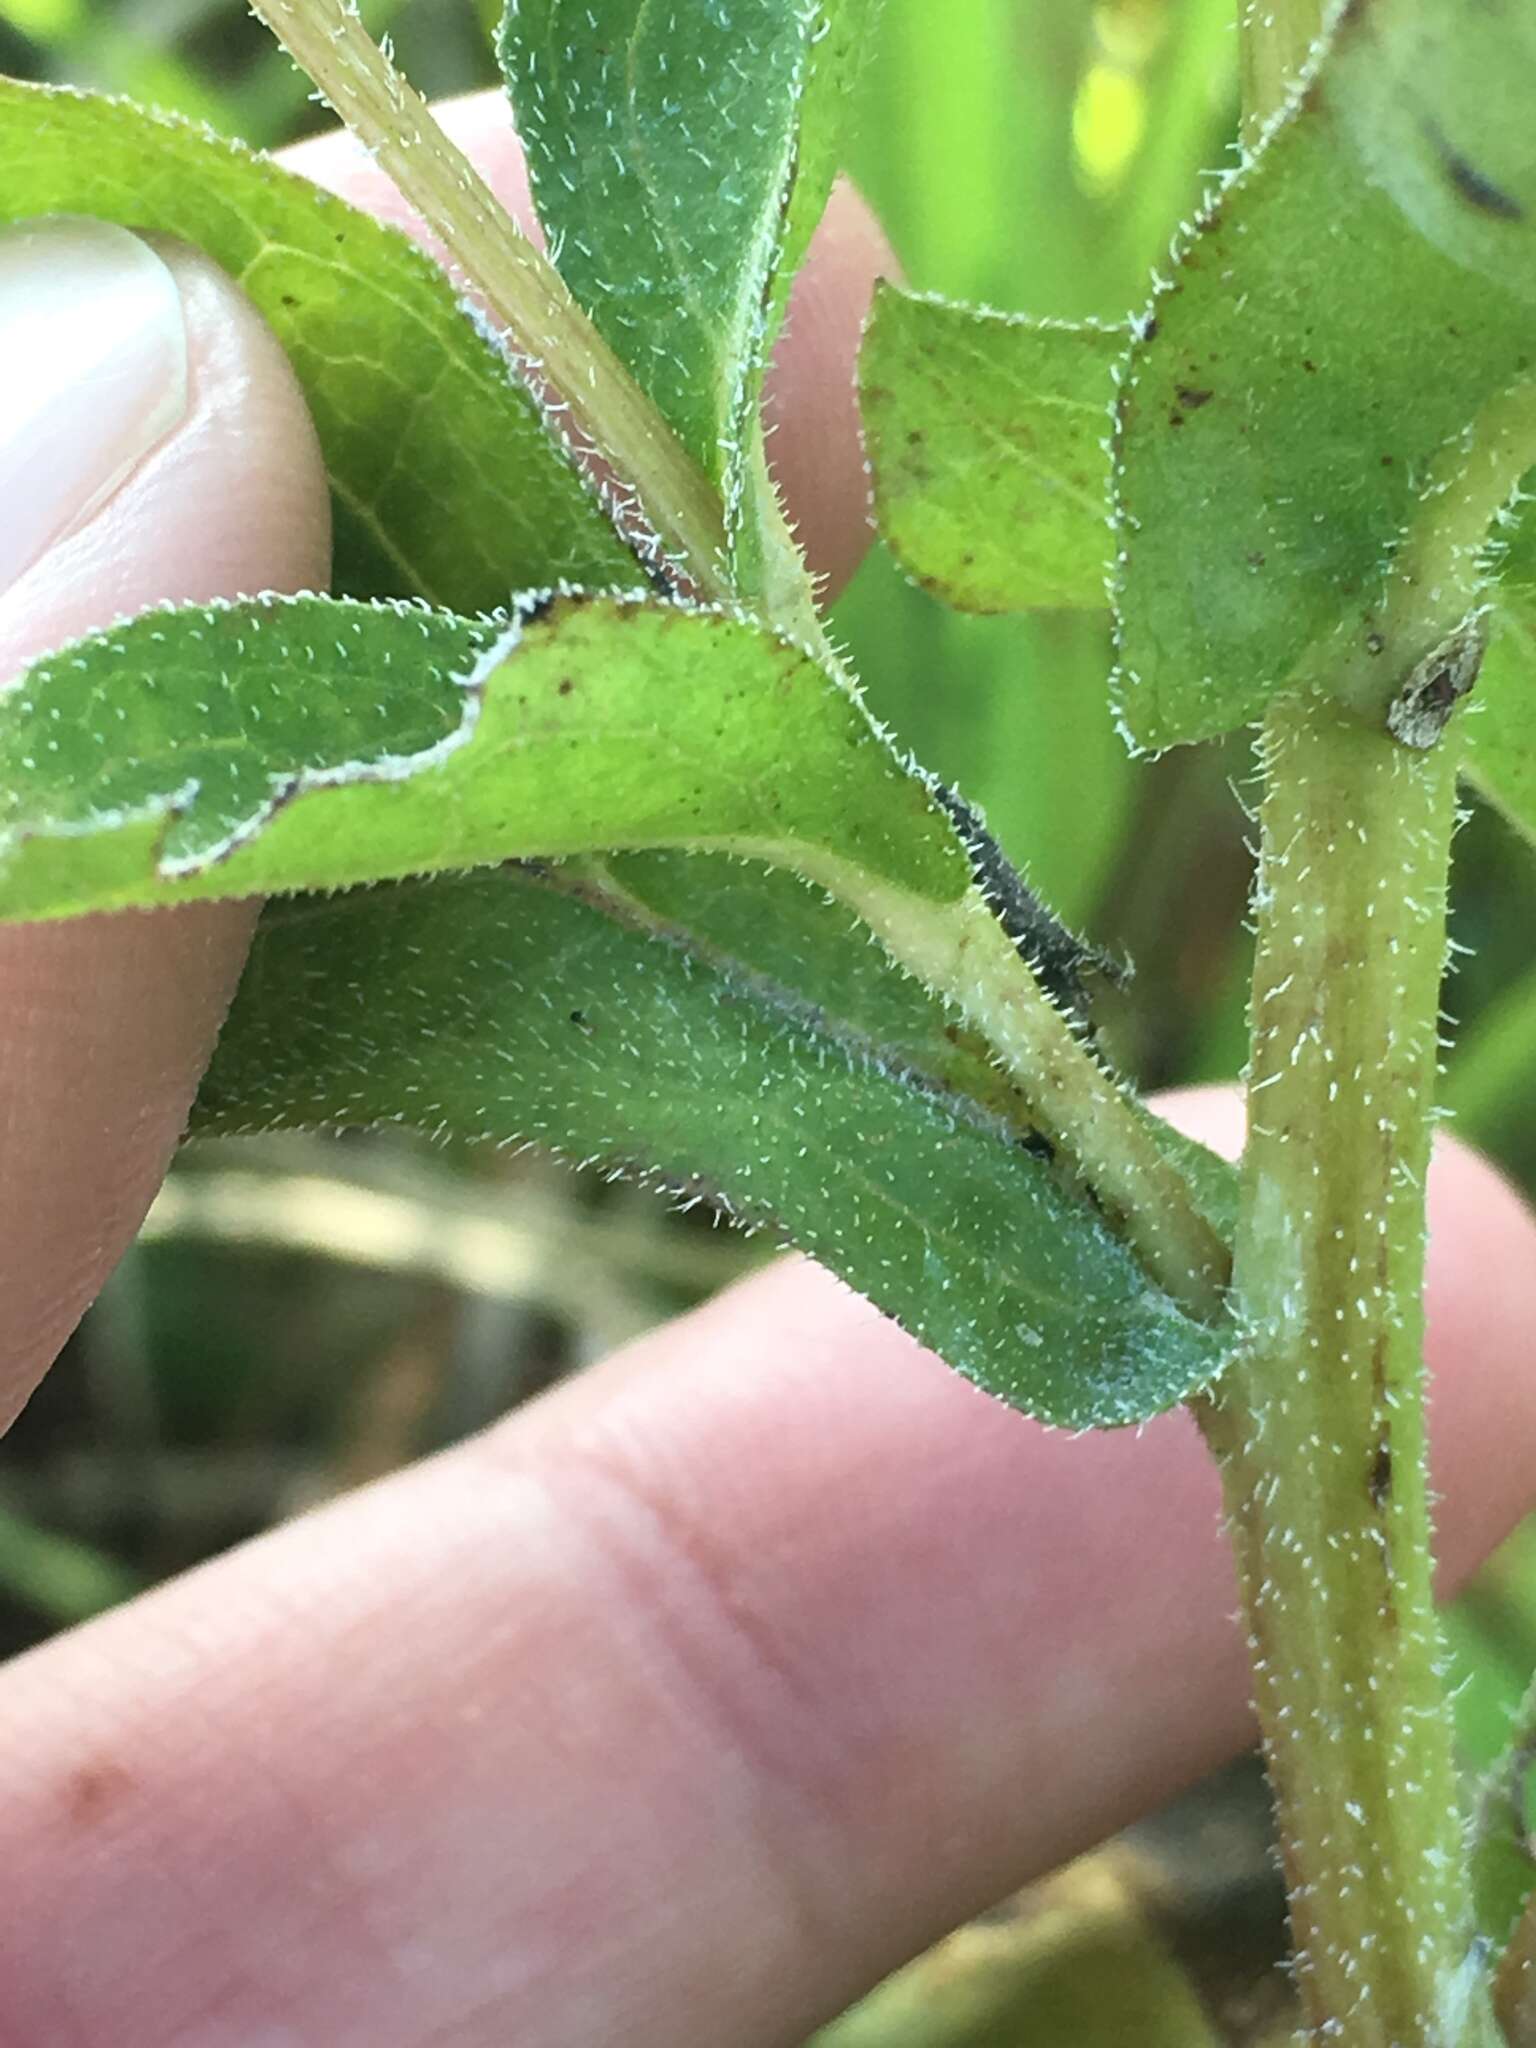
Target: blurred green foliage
{"type": "Point", "coordinates": [252, 1355]}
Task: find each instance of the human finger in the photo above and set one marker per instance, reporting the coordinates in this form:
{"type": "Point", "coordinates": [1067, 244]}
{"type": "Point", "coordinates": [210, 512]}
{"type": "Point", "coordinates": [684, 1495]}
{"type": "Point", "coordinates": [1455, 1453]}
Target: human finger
{"type": "Point", "coordinates": [159, 450]}
{"type": "Point", "coordinates": [682, 1707]}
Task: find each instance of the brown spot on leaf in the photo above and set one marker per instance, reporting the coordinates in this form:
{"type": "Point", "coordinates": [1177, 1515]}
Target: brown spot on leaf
{"type": "Point", "coordinates": [1193, 396]}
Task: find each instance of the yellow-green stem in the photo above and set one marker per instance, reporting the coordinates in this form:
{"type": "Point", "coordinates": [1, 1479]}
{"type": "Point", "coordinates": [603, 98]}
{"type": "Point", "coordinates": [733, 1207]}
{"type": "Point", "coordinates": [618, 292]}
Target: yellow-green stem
{"type": "Point", "coordinates": [1438, 574]}
{"type": "Point", "coordinates": [524, 291]}
{"type": "Point", "coordinates": [1319, 1427]}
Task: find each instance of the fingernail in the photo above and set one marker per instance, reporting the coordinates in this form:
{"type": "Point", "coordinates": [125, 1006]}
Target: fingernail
{"type": "Point", "coordinates": [93, 374]}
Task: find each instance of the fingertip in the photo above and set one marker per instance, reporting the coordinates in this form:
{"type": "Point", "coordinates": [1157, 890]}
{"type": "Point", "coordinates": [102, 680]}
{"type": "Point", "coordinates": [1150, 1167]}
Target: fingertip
{"type": "Point", "coordinates": [812, 407]}
{"type": "Point", "coordinates": [1480, 1305]}
{"type": "Point", "coordinates": [106, 1023]}
{"type": "Point", "coordinates": [478, 123]}
{"type": "Point", "coordinates": [1213, 1115]}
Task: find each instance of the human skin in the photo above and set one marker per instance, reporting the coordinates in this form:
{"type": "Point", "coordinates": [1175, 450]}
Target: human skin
{"type": "Point", "coordinates": [690, 1700]}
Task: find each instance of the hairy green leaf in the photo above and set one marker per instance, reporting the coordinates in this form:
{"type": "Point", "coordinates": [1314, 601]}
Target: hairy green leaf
{"type": "Point", "coordinates": [768, 927]}
{"type": "Point", "coordinates": [302, 743]}
{"type": "Point", "coordinates": [1350, 304]}
{"type": "Point", "coordinates": [309, 742]}
{"type": "Point", "coordinates": [680, 158]}
{"type": "Point", "coordinates": [1498, 727]}
{"type": "Point", "coordinates": [1503, 1871]}
{"type": "Point", "coordinates": [988, 437]}
{"type": "Point", "coordinates": [447, 483]}
{"type": "Point", "coordinates": [497, 1008]}
{"type": "Point", "coordinates": [1492, 1078]}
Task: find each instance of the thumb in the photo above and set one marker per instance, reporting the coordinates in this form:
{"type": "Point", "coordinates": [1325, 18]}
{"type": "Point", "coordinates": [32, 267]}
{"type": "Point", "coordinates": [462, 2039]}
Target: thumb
{"type": "Point", "coordinates": [154, 447]}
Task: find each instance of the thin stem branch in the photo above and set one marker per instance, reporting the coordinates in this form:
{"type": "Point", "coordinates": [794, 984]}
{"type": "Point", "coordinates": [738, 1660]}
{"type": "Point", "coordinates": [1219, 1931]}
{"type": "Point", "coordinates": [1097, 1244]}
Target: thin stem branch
{"type": "Point", "coordinates": [1440, 571]}
{"type": "Point", "coordinates": [521, 287]}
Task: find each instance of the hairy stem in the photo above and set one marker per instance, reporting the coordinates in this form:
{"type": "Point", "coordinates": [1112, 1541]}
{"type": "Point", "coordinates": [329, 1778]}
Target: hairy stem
{"type": "Point", "coordinates": [522, 288]}
{"type": "Point", "coordinates": [1319, 1429]}
{"type": "Point", "coordinates": [1439, 573]}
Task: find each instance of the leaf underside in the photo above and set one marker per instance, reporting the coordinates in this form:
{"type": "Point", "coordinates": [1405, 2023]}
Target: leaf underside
{"type": "Point", "coordinates": [988, 439]}
{"type": "Point", "coordinates": [765, 927]}
{"type": "Point", "coordinates": [446, 483]}
{"type": "Point", "coordinates": [1276, 423]}
{"type": "Point", "coordinates": [499, 1008]}
{"type": "Point", "coordinates": [1498, 726]}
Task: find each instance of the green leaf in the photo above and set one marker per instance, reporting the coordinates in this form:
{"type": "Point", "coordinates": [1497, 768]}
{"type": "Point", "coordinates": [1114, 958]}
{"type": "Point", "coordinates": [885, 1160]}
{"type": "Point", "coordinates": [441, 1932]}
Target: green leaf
{"type": "Point", "coordinates": [498, 1008]}
{"type": "Point", "coordinates": [1491, 1084]}
{"type": "Point", "coordinates": [1498, 727]}
{"type": "Point", "coordinates": [988, 436]}
{"type": "Point", "coordinates": [1499, 1839]}
{"type": "Point", "coordinates": [680, 158]}
{"type": "Point", "coordinates": [447, 483]}
{"type": "Point", "coordinates": [767, 926]}
{"type": "Point", "coordinates": [300, 743]}
{"type": "Point", "coordinates": [303, 743]}
{"type": "Point", "coordinates": [1351, 303]}
{"type": "Point", "coordinates": [1503, 1872]}
{"type": "Point", "coordinates": [310, 743]}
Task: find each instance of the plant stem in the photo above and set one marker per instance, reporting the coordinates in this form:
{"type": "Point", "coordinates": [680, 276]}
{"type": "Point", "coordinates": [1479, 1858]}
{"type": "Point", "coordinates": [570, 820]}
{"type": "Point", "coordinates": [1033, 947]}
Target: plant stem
{"type": "Point", "coordinates": [519, 284]}
{"type": "Point", "coordinates": [1439, 572]}
{"type": "Point", "coordinates": [1319, 1427]}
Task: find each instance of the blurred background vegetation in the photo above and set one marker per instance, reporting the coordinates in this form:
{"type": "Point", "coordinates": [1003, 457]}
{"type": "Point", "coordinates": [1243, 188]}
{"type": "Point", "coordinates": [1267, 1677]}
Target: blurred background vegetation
{"type": "Point", "coordinates": [302, 1316]}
